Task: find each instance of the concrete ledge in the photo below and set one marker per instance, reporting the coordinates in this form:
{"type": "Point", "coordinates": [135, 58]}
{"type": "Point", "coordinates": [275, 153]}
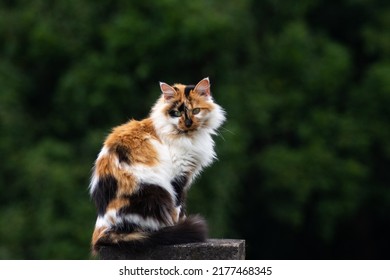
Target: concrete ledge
{"type": "Point", "coordinates": [212, 249]}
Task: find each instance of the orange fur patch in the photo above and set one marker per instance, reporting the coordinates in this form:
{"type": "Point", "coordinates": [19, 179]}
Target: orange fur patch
{"type": "Point", "coordinates": [115, 238]}
{"type": "Point", "coordinates": [135, 136]}
{"type": "Point", "coordinates": [126, 182]}
{"type": "Point", "coordinates": [97, 234]}
{"type": "Point", "coordinates": [117, 204]}
{"type": "Point", "coordinates": [134, 236]}
{"type": "Point", "coordinates": [133, 140]}
{"type": "Point", "coordinates": [104, 165]}
{"type": "Point", "coordinates": [175, 214]}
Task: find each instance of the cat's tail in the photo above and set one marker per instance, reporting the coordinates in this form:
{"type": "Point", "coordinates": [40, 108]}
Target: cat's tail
{"type": "Point", "coordinates": [192, 229]}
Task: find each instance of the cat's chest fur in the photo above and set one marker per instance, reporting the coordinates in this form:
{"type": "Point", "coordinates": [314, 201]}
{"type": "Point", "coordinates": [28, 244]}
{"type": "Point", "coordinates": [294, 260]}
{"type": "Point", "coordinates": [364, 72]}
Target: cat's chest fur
{"type": "Point", "coordinates": [187, 156]}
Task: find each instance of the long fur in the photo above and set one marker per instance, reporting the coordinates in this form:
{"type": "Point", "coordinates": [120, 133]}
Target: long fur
{"type": "Point", "coordinates": [192, 229]}
{"type": "Point", "coordinates": [145, 168]}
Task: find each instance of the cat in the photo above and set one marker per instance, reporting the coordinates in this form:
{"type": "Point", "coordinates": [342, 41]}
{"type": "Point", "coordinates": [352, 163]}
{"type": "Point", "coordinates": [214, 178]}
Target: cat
{"type": "Point", "coordinates": [143, 172]}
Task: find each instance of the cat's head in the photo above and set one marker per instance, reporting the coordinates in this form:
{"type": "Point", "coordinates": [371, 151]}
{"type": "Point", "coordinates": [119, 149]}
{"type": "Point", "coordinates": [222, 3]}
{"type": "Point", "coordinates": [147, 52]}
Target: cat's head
{"type": "Point", "coordinates": [187, 109]}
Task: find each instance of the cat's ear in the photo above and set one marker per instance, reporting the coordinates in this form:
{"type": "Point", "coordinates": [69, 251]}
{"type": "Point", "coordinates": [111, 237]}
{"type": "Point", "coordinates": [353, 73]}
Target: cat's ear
{"type": "Point", "coordinates": [168, 91]}
{"type": "Point", "coordinates": [203, 87]}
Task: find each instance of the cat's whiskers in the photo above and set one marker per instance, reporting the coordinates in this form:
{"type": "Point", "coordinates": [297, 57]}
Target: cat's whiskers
{"type": "Point", "coordinates": [219, 133]}
{"type": "Point", "coordinates": [227, 130]}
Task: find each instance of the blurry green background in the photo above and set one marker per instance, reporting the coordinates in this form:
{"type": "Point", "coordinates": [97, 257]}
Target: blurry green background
{"type": "Point", "coordinates": [304, 158]}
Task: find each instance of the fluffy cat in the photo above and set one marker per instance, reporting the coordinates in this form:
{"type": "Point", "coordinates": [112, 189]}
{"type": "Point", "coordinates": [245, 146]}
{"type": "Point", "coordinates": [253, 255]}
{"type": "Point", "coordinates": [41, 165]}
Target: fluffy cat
{"type": "Point", "coordinates": [145, 168]}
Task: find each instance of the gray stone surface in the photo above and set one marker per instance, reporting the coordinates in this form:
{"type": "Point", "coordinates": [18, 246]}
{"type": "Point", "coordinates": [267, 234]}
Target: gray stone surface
{"type": "Point", "coordinates": [212, 249]}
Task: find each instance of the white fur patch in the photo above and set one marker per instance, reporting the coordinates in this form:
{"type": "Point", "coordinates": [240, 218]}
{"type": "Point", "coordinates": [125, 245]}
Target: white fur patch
{"type": "Point", "coordinates": [160, 174]}
{"type": "Point", "coordinates": [103, 152]}
{"type": "Point", "coordinates": [111, 218]}
{"type": "Point", "coordinates": [94, 182]}
{"type": "Point", "coordinates": [101, 222]}
{"type": "Point", "coordinates": [95, 177]}
{"type": "Point", "coordinates": [186, 154]}
{"type": "Point", "coordinates": [148, 223]}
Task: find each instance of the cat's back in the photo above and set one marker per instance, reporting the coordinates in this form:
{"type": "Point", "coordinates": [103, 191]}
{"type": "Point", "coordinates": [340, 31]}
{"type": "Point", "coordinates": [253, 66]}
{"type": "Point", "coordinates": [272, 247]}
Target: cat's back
{"type": "Point", "coordinates": [132, 132]}
{"type": "Point", "coordinates": [132, 142]}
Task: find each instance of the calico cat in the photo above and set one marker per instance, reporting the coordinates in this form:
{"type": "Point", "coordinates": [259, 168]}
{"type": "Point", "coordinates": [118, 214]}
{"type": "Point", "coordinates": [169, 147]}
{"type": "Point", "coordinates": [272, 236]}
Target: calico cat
{"type": "Point", "coordinates": [145, 168]}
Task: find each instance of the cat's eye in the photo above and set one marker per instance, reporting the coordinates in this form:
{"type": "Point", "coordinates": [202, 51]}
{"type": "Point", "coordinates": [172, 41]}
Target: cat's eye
{"type": "Point", "coordinates": [175, 113]}
{"type": "Point", "coordinates": [196, 111]}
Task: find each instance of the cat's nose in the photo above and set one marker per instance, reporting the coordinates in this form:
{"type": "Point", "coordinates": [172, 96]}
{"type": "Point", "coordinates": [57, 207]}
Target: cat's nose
{"type": "Point", "coordinates": [188, 122]}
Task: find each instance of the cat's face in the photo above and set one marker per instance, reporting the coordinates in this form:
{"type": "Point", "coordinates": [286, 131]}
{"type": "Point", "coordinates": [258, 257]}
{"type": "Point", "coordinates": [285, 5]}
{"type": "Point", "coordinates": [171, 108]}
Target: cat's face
{"type": "Point", "coordinates": [189, 108]}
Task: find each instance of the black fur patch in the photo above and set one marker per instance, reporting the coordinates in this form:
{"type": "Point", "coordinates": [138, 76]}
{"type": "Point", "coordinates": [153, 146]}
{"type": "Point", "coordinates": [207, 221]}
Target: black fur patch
{"type": "Point", "coordinates": [192, 229]}
{"type": "Point", "coordinates": [150, 201]}
{"type": "Point", "coordinates": [187, 90]}
{"type": "Point", "coordinates": [125, 227]}
{"type": "Point", "coordinates": [123, 153]}
{"type": "Point", "coordinates": [181, 108]}
{"type": "Point", "coordinates": [104, 192]}
{"type": "Point", "coordinates": [187, 121]}
{"type": "Point", "coordinates": [178, 184]}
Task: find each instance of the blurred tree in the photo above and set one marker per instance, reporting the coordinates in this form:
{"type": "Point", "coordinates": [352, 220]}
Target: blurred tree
{"type": "Point", "coordinates": [304, 154]}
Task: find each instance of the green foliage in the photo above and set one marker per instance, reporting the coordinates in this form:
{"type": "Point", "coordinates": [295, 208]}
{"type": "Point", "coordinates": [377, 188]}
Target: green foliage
{"type": "Point", "coordinates": [303, 159]}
